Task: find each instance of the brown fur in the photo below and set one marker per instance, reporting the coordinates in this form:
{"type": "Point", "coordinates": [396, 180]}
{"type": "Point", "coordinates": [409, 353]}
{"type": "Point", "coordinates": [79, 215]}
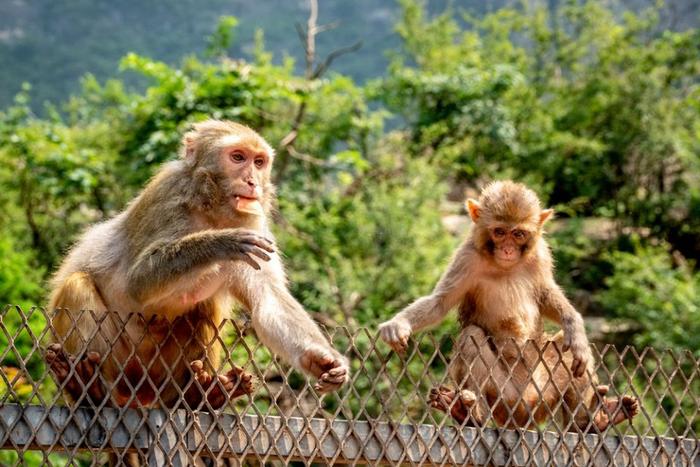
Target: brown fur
{"type": "Point", "coordinates": [501, 278]}
{"type": "Point", "coordinates": [177, 257]}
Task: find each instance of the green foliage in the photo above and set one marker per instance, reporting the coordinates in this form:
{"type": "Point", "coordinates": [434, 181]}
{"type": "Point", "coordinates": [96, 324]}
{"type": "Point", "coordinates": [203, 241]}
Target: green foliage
{"type": "Point", "coordinates": [598, 112]}
{"type": "Point", "coordinates": [662, 298]}
{"type": "Point", "coordinates": [600, 109]}
{"type": "Point", "coordinates": [346, 244]}
{"type": "Point", "coordinates": [221, 39]}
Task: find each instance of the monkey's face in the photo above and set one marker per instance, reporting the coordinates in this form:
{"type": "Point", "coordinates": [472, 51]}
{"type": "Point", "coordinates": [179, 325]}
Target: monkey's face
{"type": "Point", "coordinates": [246, 163]}
{"type": "Point", "coordinates": [509, 244]}
{"type": "Point", "coordinates": [508, 222]}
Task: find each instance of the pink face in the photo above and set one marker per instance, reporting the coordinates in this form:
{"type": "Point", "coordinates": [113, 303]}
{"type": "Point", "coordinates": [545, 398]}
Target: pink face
{"type": "Point", "coordinates": [246, 161]}
{"type": "Point", "coordinates": [509, 244]}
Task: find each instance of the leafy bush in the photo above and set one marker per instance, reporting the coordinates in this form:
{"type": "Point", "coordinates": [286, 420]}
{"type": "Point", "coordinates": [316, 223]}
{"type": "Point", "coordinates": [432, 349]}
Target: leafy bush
{"type": "Point", "coordinates": [662, 298]}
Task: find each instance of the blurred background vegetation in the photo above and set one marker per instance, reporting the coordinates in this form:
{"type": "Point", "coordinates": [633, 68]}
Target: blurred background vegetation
{"type": "Point", "coordinates": [594, 104]}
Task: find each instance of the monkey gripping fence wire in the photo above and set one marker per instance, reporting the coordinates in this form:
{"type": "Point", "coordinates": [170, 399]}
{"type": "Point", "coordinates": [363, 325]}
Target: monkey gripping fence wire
{"type": "Point", "coordinates": [381, 416]}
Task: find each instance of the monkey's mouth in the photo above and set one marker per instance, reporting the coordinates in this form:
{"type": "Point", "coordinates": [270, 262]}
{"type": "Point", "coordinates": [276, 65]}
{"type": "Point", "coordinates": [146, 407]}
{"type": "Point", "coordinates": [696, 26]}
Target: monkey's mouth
{"type": "Point", "coordinates": [505, 259]}
{"type": "Point", "coordinates": [248, 205]}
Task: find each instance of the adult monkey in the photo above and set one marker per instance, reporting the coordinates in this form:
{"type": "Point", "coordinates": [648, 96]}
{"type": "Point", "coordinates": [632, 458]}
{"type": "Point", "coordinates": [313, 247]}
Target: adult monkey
{"type": "Point", "coordinates": [195, 239]}
{"type": "Point", "coordinates": [501, 278]}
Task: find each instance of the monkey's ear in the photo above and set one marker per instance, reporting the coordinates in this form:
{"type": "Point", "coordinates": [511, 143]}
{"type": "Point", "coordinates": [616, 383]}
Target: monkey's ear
{"type": "Point", "coordinates": [474, 209]}
{"type": "Point", "coordinates": [545, 215]}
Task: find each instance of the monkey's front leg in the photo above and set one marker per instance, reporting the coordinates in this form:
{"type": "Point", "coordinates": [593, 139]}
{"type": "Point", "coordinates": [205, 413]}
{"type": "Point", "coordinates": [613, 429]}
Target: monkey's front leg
{"type": "Point", "coordinates": [282, 324]}
{"type": "Point", "coordinates": [217, 389]}
{"type": "Point", "coordinates": [557, 307]}
{"type": "Point", "coordinates": [159, 266]}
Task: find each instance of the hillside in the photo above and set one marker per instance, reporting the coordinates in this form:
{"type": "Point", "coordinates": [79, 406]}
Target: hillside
{"type": "Point", "coordinates": [51, 44]}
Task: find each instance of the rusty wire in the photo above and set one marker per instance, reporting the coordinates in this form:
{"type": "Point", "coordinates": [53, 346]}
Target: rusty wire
{"type": "Point", "coordinates": [380, 416]}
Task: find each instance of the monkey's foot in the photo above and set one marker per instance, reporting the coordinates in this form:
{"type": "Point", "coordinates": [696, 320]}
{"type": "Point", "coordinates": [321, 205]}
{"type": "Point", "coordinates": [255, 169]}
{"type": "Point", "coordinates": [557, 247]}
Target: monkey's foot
{"type": "Point", "coordinates": [614, 410]}
{"type": "Point", "coordinates": [79, 381]}
{"type": "Point", "coordinates": [458, 405]}
{"type": "Point", "coordinates": [217, 391]}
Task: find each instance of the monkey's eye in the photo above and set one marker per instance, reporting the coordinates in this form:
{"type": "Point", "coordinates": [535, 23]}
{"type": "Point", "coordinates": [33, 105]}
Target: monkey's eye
{"type": "Point", "coordinates": [237, 157]}
{"type": "Point", "coordinates": [259, 162]}
{"type": "Point", "coordinates": [498, 232]}
{"type": "Point", "coordinates": [519, 234]}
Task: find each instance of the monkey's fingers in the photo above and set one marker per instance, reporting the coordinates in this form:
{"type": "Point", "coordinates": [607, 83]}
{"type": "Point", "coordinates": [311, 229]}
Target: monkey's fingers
{"type": "Point", "coordinates": [227, 383]}
{"type": "Point", "coordinates": [248, 259]}
{"type": "Point", "coordinates": [202, 376]}
{"type": "Point", "coordinates": [397, 339]}
{"type": "Point", "coordinates": [566, 345]}
{"type": "Point", "coordinates": [630, 406]}
{"type": "Point", "coordinates": [234, 371]}
{"type": "Point", "coordinates": [338, 371]}
{"type": "Point", "coordinates": [399, 345]}
{"type": "Point", "coordinates": [59, 362]}
{"type": "Point", "coordinates": [317, 361]}
{"type": "Point", "coordinates": [332, 379]}
{"type": "Point", "coordinates": [578, 366]}
{"type": "Point", "coordinates": [259, 253]}
{"type": "Point", "coordinates": [324, 387]}
{"type": "Point", "coordinates": [258, 241]}
{"type": "Point", "coordinates": [337, 378]}
{"type": "Point", "coordinates": [243, 381]}
{"type": "Point", "coordinates": [86, 369]}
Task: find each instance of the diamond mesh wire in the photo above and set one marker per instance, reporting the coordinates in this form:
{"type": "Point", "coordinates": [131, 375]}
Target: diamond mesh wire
{"type": "Point", "coordinates": [522, 412]}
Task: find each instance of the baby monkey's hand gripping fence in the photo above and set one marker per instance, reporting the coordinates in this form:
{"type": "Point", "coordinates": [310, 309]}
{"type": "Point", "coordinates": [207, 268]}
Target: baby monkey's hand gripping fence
{"type": "Point", "coordinates": [70, 408]}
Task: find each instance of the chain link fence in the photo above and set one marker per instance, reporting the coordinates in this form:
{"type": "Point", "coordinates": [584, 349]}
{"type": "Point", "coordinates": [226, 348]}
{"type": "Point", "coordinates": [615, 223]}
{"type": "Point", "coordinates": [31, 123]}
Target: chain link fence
{"type": "Point", "coordinates": [92, 413]}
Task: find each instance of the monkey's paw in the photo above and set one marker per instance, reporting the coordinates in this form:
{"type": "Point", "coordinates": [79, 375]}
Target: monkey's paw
{"type": "Point", "coordinates": [614, 411]}
{"type": "Point", "coordinates": [252, 247]}
{"type": "Point", "coordinates": [217, 391]}
{"type": "Point", "coordinates": [332, 379]}
{"type": "Point", "coordinates": [396, 332]}
{"type": "Point", "coordinates": [581, 352]}
{"type": "Point", "coordinates": [76, 376]}
{"type": "Point", "coordinates": [459, 405]}
{"type": "Point", "coordinates": [331, 370]}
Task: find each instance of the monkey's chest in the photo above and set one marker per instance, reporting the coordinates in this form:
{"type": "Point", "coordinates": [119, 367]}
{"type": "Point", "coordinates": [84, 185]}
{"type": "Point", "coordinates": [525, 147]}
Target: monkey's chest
{"type": "Point", "coordinates": [505, 309]}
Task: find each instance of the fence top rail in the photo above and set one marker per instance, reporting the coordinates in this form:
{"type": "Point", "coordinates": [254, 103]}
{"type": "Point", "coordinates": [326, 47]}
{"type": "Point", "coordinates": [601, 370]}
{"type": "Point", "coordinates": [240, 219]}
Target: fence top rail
{"type": "Point", "coordinates": [181, 433]}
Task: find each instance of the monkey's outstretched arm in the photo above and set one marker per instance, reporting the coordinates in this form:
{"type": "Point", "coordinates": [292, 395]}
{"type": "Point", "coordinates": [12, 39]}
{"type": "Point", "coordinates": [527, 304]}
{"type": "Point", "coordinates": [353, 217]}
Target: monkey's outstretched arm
{"type": "Point", "coordinates": [431, 309]}
{"type": "Point", "coordinates": [165, 261]}
{"type": "Point", "coordinates": [555, 306]}
{"type": "Point", "coordinates": [282, 324]}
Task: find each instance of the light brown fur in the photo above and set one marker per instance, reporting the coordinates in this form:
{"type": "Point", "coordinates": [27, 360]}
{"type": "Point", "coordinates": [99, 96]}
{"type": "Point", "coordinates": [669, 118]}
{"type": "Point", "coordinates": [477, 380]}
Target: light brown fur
{"type": "Point", "coordinates": [168, 269]}
{"type": "Point", "coordinates": [501, 278]}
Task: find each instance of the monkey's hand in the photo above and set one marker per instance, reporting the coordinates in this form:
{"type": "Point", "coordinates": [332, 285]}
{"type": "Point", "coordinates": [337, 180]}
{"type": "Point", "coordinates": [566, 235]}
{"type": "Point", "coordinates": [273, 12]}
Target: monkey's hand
{"type": "Point", "coordinates": [331, 369]}
{"type": "Point", "coordinates": [247, 244]}
{"type": "Point", "coordinates": [396, 332]}
{"type": "Point", "coordinates": [580, 350]}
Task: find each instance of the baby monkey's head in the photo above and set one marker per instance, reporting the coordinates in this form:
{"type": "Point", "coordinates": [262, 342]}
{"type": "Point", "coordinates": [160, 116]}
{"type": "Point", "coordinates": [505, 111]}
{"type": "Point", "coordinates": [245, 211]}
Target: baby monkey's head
{"type": "Point", "coordinates": [508, 222]}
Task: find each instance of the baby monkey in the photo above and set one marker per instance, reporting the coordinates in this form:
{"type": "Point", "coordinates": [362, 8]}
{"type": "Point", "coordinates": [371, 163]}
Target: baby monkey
{"type": "Point", "coordinates": [501, 279]}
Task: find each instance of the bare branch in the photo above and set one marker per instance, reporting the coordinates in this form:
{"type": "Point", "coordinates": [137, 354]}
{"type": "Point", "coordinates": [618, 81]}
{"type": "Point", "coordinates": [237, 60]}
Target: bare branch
{"type": "Point", "coordinates": [308, 40]}
{"type": "Point", "coordinates": [311, 37]}
{"type": "Point", "coordinates": [322, 67]}
{"type": "Point", "coordinates": [302, 36]}
{"type": "Point", "coordinates": [327, 27]}
{"type": "Point", "coordinates": [307, 157]}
